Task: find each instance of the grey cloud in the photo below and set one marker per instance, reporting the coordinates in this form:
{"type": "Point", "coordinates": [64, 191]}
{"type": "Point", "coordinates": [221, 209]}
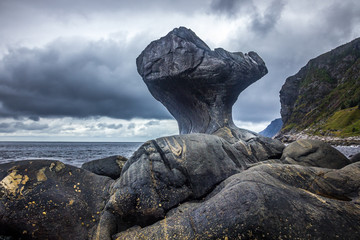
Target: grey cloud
{"type": "Point", "coordinates": [131, 126]}
{"type": "Point", "coordinates": [340, 19]}
{"type": "Point", "coordinates": [259, 22]}
{"type": "Point", "coordinates": [84, 8]}
{"type": "Point", "coordinates": [152, 123]}
{"type": "Point", "coordinates": [232, 8]}
{"type": "Point", "coordinates": [110, 126]}
{"type": "Point", "coordinates": [75, 78]}
{"type": "Point", "coordinates": [264, 23]}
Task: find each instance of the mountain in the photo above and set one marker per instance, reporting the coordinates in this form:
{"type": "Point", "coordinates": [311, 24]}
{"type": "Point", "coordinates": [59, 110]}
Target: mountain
{"type": "Point", "coordinates": [323, 98]}
{"type": "Point", "coordinates": [272, 129]}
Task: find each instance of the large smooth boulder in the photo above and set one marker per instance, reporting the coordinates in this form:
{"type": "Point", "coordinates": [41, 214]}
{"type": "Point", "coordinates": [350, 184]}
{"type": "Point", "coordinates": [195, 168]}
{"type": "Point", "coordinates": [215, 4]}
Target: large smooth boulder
{"type": "Point", "coordinates": [269, 201]}
{"type": "Point", "coordinates": [314, 153]}
{"type": "Point", "coordinates": [168, 171]}
{"type": "Point", "coordinates": [45, 199]}
{"type": "Point", "coordinates": [109, 166]}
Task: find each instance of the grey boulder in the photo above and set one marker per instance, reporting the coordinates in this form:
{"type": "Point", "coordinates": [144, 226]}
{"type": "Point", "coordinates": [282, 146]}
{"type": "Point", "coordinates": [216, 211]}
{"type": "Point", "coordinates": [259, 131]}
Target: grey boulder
{"type": "Point", "coordinates": [109, 166]}
{"type": "Point", "coordinates": [314, 153]}
{"type": "Point", "coordinates": [269, 201]}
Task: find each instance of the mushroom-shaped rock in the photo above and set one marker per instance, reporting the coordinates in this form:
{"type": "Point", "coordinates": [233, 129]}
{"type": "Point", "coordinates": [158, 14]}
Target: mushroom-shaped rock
{"type": "Point", "coordinates": [197, 85]}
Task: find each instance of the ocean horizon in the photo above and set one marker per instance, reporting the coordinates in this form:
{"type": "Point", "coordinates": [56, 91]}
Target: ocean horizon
{"type": "Point", "coordinates": [76, 153]}
{"type": "Point", "coordinates": [73, 153]}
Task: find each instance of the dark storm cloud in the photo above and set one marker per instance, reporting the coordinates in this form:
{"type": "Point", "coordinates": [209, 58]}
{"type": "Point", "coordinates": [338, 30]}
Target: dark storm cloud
{"type": "Point", "coordinates": [16, 126]}
{"type": "Point", "coordinates": [75, 78]}
{"type": "Point", "coordinates": [263, 23]}
{"type": "Point", "coordinates": [84, 8]}
{"type": "Point", "coordinates": [231, 8]}
{"type": "Point", "coordinates": [260, 22]}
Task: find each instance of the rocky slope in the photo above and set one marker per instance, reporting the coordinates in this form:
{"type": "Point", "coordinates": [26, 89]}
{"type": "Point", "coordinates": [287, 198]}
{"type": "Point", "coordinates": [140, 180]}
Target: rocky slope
{"type": "Point", "coordinates": [323, 98]}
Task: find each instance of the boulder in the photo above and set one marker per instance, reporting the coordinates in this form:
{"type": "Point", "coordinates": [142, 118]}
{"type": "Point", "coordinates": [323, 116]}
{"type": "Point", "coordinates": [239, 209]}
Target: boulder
{"type": "Point", "coordinates": [355, 158]}
{"type": "Point", "coordinates": [269, 201]}
{"type": "Point", "coordinates": [45, 199]}
{"type": "Point", "coordinates": [314, 153]}
{"type": "Point", "coordinates": [168, 171]}
{"type": "Point", "coordinates": [110, 166]}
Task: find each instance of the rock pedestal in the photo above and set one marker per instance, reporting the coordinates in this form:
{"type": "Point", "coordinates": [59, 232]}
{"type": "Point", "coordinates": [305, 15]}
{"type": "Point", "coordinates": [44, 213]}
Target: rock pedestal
{"type": "Point", "coordinates": [197, 85]}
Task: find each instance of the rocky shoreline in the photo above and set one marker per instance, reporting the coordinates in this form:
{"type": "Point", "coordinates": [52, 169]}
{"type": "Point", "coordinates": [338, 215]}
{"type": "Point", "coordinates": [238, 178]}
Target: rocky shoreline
{"type": "Point", "coordinates": [336, 141]}
{"type": "Point", "coordinates": [213, 181]}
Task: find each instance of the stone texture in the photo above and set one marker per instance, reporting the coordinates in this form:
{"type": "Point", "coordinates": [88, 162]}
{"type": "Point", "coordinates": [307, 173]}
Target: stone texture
{"type": "Point", "coordinates": [110, 166]}
{"type": "Point", "coordinates": [270, 201]}
{"type": "Point", "coordinates": [314, 153]}
{"type": "Point", "coordinates": [45, 199]}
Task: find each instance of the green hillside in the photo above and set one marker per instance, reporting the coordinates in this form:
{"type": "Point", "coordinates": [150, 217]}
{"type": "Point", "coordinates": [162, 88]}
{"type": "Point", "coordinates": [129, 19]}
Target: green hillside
{"type": "Point", "coordinates": [323, 98]}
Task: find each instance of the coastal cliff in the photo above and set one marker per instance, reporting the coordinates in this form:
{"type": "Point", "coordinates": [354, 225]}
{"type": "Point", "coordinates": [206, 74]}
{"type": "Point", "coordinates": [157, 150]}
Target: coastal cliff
{"type": "Point", "coordinates": [323, 99]}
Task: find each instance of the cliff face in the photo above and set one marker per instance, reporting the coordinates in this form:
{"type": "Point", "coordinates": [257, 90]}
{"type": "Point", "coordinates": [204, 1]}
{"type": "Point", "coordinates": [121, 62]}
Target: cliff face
{"type": "Point", "coordinates": [323, 98]}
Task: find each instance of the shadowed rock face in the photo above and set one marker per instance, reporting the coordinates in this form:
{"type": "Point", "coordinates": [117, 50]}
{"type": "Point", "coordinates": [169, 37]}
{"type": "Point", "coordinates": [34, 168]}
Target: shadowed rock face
{"type": "Point", "coordinates": [197, 85]}
{"type": "Point", "coordinates": [44, 199]}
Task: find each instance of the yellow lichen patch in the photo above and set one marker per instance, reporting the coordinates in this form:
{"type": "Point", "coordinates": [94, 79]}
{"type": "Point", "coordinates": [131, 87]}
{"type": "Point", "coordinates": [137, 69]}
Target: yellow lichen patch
{"type": "Point", "coordinates": [40, 175]}
{"type": "Point", "coordinates": [58, 166]}
{"type": "Point", "coordinates": [71, 202]}
{"type": "Point", "coordinates": [228, 131]}
{"type": "Point", "coordinates": [13, 183]}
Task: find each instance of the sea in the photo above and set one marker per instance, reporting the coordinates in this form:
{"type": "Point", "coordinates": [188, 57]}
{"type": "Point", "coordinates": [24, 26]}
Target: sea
{"type": "Point", "coordinates": [77, 153]}
{"type": "Point", "coordinates": [73, 153]}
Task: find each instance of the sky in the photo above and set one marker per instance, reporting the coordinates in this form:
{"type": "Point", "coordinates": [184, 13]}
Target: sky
{"type": "Point", "coordinates": [68, 71]}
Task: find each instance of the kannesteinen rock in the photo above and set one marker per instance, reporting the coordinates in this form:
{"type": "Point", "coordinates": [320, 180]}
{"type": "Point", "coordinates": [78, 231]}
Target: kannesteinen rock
{"type": "Point", "coordinates": [199, 87]}
{"type": "Point", "coordinates": [325, 92]}
{"type": "Point", "coordinates": [194, 186]}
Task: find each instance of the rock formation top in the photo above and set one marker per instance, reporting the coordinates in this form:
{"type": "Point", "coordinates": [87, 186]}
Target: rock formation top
{"type": "Point", "coordinates": [197, 85]}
